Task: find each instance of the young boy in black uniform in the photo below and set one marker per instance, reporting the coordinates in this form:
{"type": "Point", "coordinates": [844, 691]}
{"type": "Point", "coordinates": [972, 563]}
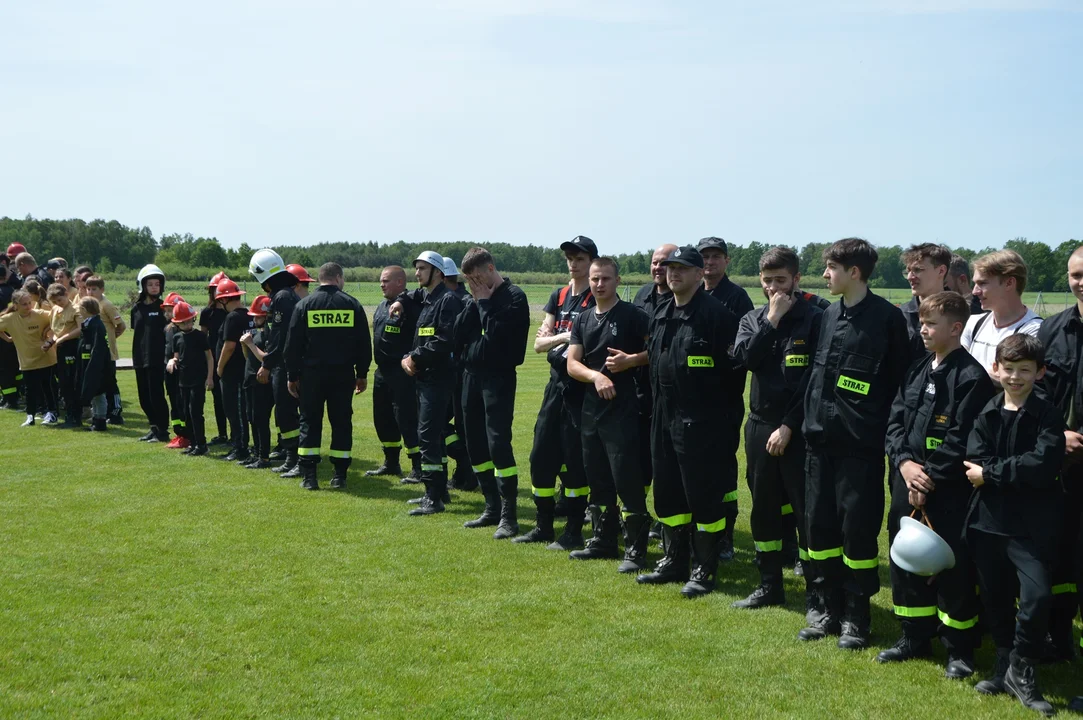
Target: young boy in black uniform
{"type": "Point", "coordinates": [193, 362]}
{"type": "Point", "coordinates": [605, 344]}
{"type": "Point", "coordinates": [861, 359]}
{"type": "Point", "coordinates": [229, 361]}
{"type": "Point", "coordinates": [557, 448]}
{"type": "Point", "coordinates": [1015, 454]}
{"type": "Point", "coordinates": [181, 437]}
{"type": "Point", "coordinates": [92, 380]}
{"type": "Point", "coordinates": [931, 420]}
{"type": "Point", "coordinates": [259, 398]}
{"type": "Point", "coordinates": [775, 342]}
{"type": "Point", "coordinates": [210, 322]}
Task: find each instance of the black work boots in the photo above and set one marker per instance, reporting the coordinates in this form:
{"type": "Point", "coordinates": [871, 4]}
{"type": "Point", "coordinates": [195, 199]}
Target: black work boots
{"type": "Point", "coordinates": [543, 525]}
{"type": "Point", "coordinates": [856, 623]}
{"type": "Point", "coordinates": [705, 549]}
{"type": "Point", "coordinates": [308, 475]}
{"type": "Point", "coordinates": [673, 566]}
{"type": "Point", "coordinates": [572, 537]}
{"type": "Point", "coordinates": [509, 522]}
{"type": "Point", "coordinates": [390, 467]}
{"type": "Point", "coordinates": [766, 595]}
{"type": "Point", "coordinates": [1021, 682]}
{"type": "Point", "coordinates": [906, 648]}
{"type": "Point", "coordinates": [823, 610]}
{"type": "Point", "coordinates": [603, 546]}
{"type": "Point", "coordinates": [636, 530]}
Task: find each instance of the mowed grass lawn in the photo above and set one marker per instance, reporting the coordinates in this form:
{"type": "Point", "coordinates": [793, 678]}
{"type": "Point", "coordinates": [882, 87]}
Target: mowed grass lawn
{"type": "Point", "coordinates": [138, 582]}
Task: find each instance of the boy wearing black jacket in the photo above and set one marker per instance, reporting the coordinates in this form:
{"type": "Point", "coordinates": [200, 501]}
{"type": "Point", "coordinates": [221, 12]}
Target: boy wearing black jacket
{"type": "Point", "coordinates": [194, 363]}
{"type": "Point", "coordinates": [1015, 454]}
{"type": "Point", "coordinates": [931, 420]}
{"type": "Point", "coordinates": [93, 356]}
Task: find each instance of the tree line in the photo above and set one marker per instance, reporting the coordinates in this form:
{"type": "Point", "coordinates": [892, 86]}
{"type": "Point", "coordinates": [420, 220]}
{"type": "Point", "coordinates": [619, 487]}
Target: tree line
{"type": "Point", "coordinates": [113, 248]}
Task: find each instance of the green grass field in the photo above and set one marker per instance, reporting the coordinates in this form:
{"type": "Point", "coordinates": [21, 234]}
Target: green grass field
{"type": "Point", "coordinates": [137, 582]}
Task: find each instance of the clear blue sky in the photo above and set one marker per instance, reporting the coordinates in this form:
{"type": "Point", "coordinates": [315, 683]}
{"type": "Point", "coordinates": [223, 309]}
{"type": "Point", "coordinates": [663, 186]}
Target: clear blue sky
{"type": "Point", "coordinates": [530, 121]}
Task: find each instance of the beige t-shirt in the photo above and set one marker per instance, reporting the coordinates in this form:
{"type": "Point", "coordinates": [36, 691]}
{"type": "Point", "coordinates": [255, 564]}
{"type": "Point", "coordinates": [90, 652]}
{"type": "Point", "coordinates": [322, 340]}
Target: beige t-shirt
{"type": "Point", "coordinates": [63, 320]}
{"type": "Point", "coordinates": [29, 334]}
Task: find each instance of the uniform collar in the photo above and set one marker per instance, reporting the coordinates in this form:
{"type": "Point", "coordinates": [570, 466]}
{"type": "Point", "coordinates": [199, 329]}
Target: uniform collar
{"type": "Point", "coordinates": [330, 289]}
{"type": "Point", "coordinates": [435, 294]}
{"type": "Point", "coordinates": [684, 312]}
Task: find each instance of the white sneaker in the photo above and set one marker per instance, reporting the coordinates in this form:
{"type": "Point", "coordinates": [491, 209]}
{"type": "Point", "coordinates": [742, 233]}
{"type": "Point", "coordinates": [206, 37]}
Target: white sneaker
{"type": "Point", "coordinates": [29, 421]}
{"type": "Point", "coordinates": [50, 419]}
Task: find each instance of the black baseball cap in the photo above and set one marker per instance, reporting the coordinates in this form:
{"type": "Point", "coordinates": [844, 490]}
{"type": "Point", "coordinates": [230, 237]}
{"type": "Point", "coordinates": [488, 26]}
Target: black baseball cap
{"type": "Point", "coordinates": [687, 256]}
{"type": "Point", "coordinates": [713, 242]}
{"type": "Point", "coordinates": [581, 243]}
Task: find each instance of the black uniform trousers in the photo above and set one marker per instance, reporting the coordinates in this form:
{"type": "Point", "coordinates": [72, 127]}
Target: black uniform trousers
{"type": "Point", "coordinates": [844, 509]}
{"type": "Point", "coordinates": [10, 377]}
{"type": "Point", "coordinates": [777, 485]}
{"type": "Point", "coordinates": [488, 402]}
{"type": "Point", "coordinates": [194, 398]}
{"type": "Point", "coordinates": [112, 390]}
{"type": "Point", "coordinates": [40, 390]}
{"type": "Point", "coordinates": [948, 606]}
{"type": "Point", "coordinates": [455, 432]}
{"type": "Point", "coordinates": [67, 368]}
{"type": "Point", "coordinates": [558, 444]}
{"type": "Point", "coordinates": [233, 399]}
{"type": "Point", "coordinates": [433, 403]}
{"type": "Point", "coordinates": [286, 410]}
{"type": "Point", "coordinates": [220, 413]}
{"type": "Point", "coordinates": [645, 450]}
{"type": "Point", "coordinates": [729, 479]}
{"type": "Point", "coordinates": [150, 384]}
{"type": "Point", "coordinates": [333, 385]}
{"type": "Point", "coordinates": [177, 416]}
{"type": "Point", "coordinates": [394, 408]}
{"type": "Point", "coordinates": [611, 452]}
{"type": "Point", "coordinates": [259, 400]}
{"type": "Point", "coordinates": [688, 469]}
{"type": "Point", "coordinates": [1066, 575]}
{"type": "Point", "coordinates": [1010, 568]}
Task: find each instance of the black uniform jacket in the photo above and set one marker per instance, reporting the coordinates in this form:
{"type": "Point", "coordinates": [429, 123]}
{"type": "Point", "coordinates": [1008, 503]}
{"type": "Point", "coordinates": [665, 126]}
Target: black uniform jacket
{"type": "Point", "coordinates": [148, 335]}
{"type": "Point", "coordinates": [737, 301]}
{"type": "Point", "coordinates": [279, 317]}
{"type": "Point", "coordinates": [862, 356]}
{"type": "Point", "coordinates": [329, 327]}
{"type": "Point", "coordinates": [434, 340]}
{"type": "Point", "coordinates": [393, 338]}
{"type": "Point", "coordinates": [696, 341]}
{"type": "Point", "coordinates": [492, 332]}
{"type": "Point", "coordinates": [932, 417]}
{"type": "Point", "coordinates": [780, 360]}
{"type": "Point", "coordinates": [93, 356]}
{"type": "Point", "coordinates": [1024, 480]}
{"type": "Point", "coordinates": [648, 299]}
{"type": "Point", "coordinates": [1062, 338]}
{"type": "Point", "coordinates": [909, 310]}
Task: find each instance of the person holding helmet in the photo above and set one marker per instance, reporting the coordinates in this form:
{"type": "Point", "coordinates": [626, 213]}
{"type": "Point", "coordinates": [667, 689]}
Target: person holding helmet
{"type": "Point", "coordinates": [259, 399]}
{"type": "Point", "coordinates": [181, 439]}
{"type": "Point", "coordinates": [930, 422]}
{"type": "Point", "coordinates": [691, 339]}
{"type": "Point", "coordinates": [210, 322]}
{"type": "Point", "coordinates": [270, 272]}
{"type": "Point", "coordinates": [230, 367]}
{"type": "Point", "coordinates": [328, 353]}
{"type": "Point", "coordinates": [193, 363]}
{"type": "Point", "coordinates": [148, 351]}
{"type": "Point", "coordinates": [394, 396]}
{"type": "Point", "coordinates": [431, 365]}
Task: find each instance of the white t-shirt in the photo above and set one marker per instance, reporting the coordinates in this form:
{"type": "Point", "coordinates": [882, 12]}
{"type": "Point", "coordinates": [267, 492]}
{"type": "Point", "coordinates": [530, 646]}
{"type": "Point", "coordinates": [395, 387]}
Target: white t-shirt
{"type": "Point", "coordinates": [984, 346]}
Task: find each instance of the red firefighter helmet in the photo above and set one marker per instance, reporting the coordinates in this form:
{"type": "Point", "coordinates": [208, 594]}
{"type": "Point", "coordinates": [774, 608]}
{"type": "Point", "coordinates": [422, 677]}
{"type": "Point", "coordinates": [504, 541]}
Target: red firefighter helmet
{"type": "Point", "coordinates": [226, 288]}
{"type": "Point", "coordinates": [172, 299]}
{"type": "Point", "coordinates": [217, 279]}
{"type": "Point", "coordinates": [183, 312]}
{"type": "Point", "coordinates": [299, 272]}
{"type": "Point", "coordinates": [260, 306]}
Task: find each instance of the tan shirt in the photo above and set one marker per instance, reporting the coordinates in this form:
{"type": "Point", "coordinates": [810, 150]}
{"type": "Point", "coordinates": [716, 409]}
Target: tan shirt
{"type": "Point", "coordinates": [110, 318]}
{"type": "Point", "coordinates": [63, 320]}
{"type": "Point", "coordinates": [29, 333]}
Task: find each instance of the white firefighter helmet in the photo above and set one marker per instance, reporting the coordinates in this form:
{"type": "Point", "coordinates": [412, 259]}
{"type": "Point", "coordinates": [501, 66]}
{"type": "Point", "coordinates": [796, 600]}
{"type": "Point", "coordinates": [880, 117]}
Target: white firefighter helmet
{"type": "Point", "coordinates": [265, 264]}
{"type": "Point", "coordinates": [432, 258]}
{"type": "Point", "coordinates": [918, 549]}
{"type": "Point", "coordinates": [449, 268]}
{"type": "Point", "coordinates": [149, 271]}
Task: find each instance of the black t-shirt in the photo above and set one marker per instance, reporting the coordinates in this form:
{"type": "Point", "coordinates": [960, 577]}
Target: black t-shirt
{"type": "Point", "coordinates": [190, 348]}
{"type": "Point", "coordinates": [212, 319]}
{"type": "Point", "coordinates": [622, 327]}
{"type": "Point", "coordinates": [565, 307]}
{"type": "Point", "coordinates": [237, 323]}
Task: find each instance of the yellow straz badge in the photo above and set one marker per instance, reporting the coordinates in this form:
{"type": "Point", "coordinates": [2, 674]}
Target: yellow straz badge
{"type": "Point", "coordinates": [858, 386]}
{"type": "Point", "coordinates": [330, 318]}
{"type": "Point", "coordinates": [797, 361]}
{"type": "Point", "coordinates": [705, 361]}
{"type": "Point", "coordinates": [394, 330]}
{"type": "Point", "coordinates": [425, 332]}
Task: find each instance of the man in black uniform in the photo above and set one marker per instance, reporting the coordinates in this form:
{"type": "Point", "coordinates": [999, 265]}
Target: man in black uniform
{"type": "Point", "coordinates": [716, 259]}
{"type": "Point", "coordinates": [775, 342]}
{"type": "Point", "coordinates": [557, 445]}
{"type": "Point", "coordinates": [455, 432]}
{"type": "Point", "coordinates": [926, 270]}
{"type": "Point", "coordinates": [861, 359]}
{"type": "Point", "coordinates": [492, 333]}
{"type": "Point", "coordinates": [328, 353]}
{"type": "Point", "coordinates": [278, 283]}
{"type": "Point", "coordinates": [229, 361]}
{"type": "Point", "coordinates": [431, 365]}
{"type": "Point", "coordinates": [394, 396]}
{"type": "Point", "coordinates": [606, 343]}
{"type": "Point", "coordinates": [691, 340]}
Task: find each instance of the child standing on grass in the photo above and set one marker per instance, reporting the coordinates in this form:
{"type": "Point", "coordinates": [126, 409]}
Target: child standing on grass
{"type": "Point", "coordinates": [181, 436]}
{"type": "Point", "coordinates": [63, 322]}
{"type": "Point", "coordinates": [114, 328]}
{"type": "Point", "coordinates": [1016, 450]}
{"type": "Point", "coordinates": [194, 365]}
{"type": "Point", "coordinates": [260, 397]}
{"type": "Point", "coordinates": [29, 330]}
{"type": "Point", "coordinates": [94, 358]}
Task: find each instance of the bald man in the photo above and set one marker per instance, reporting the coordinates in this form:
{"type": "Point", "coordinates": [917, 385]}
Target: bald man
{"type": "Point", "coordinates": [394, 397]}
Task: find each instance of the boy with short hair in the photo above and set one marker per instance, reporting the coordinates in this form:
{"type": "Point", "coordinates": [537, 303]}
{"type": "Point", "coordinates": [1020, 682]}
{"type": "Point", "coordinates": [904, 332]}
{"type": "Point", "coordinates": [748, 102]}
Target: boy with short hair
{"type": "Point", "coordinates": [1016, 449]}
{"type": "Point", "coordinates": [931, 420]}
{"type": "Point", "coordinates": [926, 267]}
{"type": "Point", "coordinates": [93, 357]}
{"type": "Point", "coordinates": [193, 362]}
{"type": "Point", "coordinates": [999, 281]}
{"type": "Point", "coordinates": [114, 328]}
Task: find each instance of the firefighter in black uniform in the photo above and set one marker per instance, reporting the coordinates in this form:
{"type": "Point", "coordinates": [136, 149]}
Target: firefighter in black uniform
{"type": "Point", "coordinates": [926, 268]}
{"type": "Point", "coordinates": [1062, 337]}
{"type": "Point", "coordinates": [492, 333]}
{"type": "Point", "coordinates": [394, 396]}
{"type": "Point", "coordinates": [557, 447]}
{"type": "Point", "coordinates": [716, 259]}
{"type": "Point", "coordinates": [455, 432]}
{"type": "Point", "coordinates": [861, 359]}
{"type": "Point", "coordinates": [775, 342]}
{"type": "Point", "coordinates": [691, 341]}
{"type": "Point", "coordinates": [431, 365]}
{"type": "Point", "coordinates": [271, 273]}
{"type": "Point", "coordinates": [328, 353]}
{"type": "Point", "coordinates": [931, 420]}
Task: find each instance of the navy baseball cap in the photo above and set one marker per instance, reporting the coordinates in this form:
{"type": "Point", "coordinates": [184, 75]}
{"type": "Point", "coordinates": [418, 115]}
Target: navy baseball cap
{"type": "Point", "coordinates": [581, 243]}
{"type": "Point", "coordinates": [713, 242]}
{"type": "Point", "coordinates": [687, 256]}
